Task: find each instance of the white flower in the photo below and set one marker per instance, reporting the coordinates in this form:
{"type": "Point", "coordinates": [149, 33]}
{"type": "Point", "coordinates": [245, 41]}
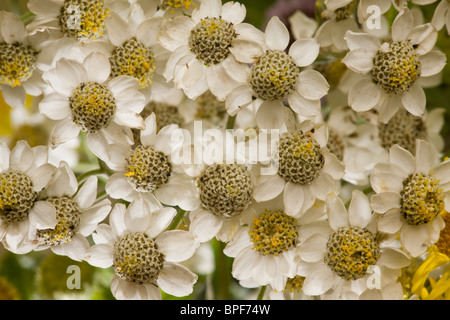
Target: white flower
{"type": "Point", "coordinates": [441, 16]}
{"type": "Point", "coordinates": [147, 170]}
{"type": "Point", "coordinates": [81, 21]}
{"type": "Point", "coordinates": [18, 56]}
{"type": "Point", "coordinates": [24, 172]}
{"type": "Point", "coordinates": [174, 8]}
{"type": "Point", "coordinates": [306, 170]}
{"type": "Point", "coordinates": [137, 52]}
{"type": "Point", "coordinates": [225, 193]}
{"type": "Point", "coordinates": [202, 57]}
{"type": "Point", "coordinates": [393, 69]}
{"type": "Point", "coordinates": [404, 129]}
{"type": "Point", "coordinates": [292, 290]}
{"type": "Point", "coordinates": [266, 247]}
{"type": "Point", "coordinates": [84, 98]}
{"type": "Point", "coordinates": [77, 214]}
{"type": "Point", "coordinates": [411, 194]}
{"type": "Point", "coordinates": [276, 75]}
{"type": "Point", "coordinates": [353, 142]}
{"type": "Point", "coordinates": [144, 256]}
{"type": "Point", "coordinates": [340, 255]}
{"type": "Point", "coordinates": [339, 17]}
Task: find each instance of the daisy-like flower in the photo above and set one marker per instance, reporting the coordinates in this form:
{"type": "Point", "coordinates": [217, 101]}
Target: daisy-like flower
{"type": "Point", "coordinates": [225, 192]}
{"type": "Point", "coordinates": [174, 8]}
{"type": "Point", "coordinates": [276, 76]}
{"type": "Point", "coordinates": [441, 16]}
{"type": "Point", "coordinates": [144, 256]}
{"type": "Point", "coordinates": [392, 70]}
{"type": "Point", "coordinates": [202, 57]}
{"type": "Point", "coordinates": [339, 257]}
{"type": "Point", "coordinates": [18, 56]}
{"type": "Point", "coordinates": [80, 20]}
{"type": "Point", "coordinates": [266, 248]}
{"type": "Point", "coordinates": [404, 129]}
{"type": "Point", "coordinates": [292, 290]}
{"type": "Point", "coordinates": [353, 143]}
{"type": "Point", "coordinates": [306, 170]}
{"type": "Point", "coordinates": [85, 99]}
{"type": "Point", "coordinates": [24, 172]}
{"type": "Point", "coordinates": [339, 16]}
{"type": "Point", "coordinates": [137, 52]}
{"type": "Point", "coordinates": [77, 214]}
{"type": "Point", "coordinates": [411, 194]}
{"type": "Point", "coordinates": [147, 170]}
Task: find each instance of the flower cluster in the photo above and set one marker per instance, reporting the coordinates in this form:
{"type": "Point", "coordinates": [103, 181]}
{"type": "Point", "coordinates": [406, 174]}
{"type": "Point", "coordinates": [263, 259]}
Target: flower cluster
{"type": "Point", "coordinates": [304, 155]}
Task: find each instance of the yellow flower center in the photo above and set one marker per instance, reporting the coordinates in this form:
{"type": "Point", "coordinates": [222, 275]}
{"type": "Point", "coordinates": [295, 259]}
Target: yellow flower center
{"type": "Point", "coordinates": [351, 251]}
{"type": "Point", "coordinates": [17, 63]}
{"type": "Point", "coordinates": [422, 199]}
{"type": "Point", "coordinates": [273, 232]}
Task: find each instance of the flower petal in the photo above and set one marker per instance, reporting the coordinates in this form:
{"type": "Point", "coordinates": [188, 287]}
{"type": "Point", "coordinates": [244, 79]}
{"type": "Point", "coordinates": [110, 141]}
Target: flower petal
{"type": "Point", "coordinates": [239, 98]}
{"type": "Point", "coordinates": [432, 63]}
{"type": "Point", "coordinates": [137, 215]}
{"type": "Point", "coordinates": [402, 25]}
{"type": "Point", "coordinates": [364, 96]}
{"type": "Point", "coordinates": [384, 201]}
{"type": "Point", "coordinates": [97, 66]}
{"type": "Point", "coordinates": [337, 213]}
{"type": "Point", "coordinates": [414, 100]}
{"type": "Point", "coordinates": [312, 85]}
{"type": "Point", "coordinates": [359, 61]}
{"type": "Point", "coordinates": [304, 51]}
{"type": "Point", "coordinates": [268, 187]}
{"type": "Point", "coordinates": [87, 194]}
{"type": "Point", "coordinates": [304, 107]}
{"type": "Point", "coordinates": [100, 255]}
{"type": "Point", "coordinates": [63, 131]}
{"type": "Point", "coordinates": [359, 211]}
{"type": "Point", "coordinates": [293, 197]}
{"type": "Point", "coordinates": [391, 221]}
{"type": "Point", "coordinates": [43, 215]}
{"type": "Point", "coordinates": [277, 35]}
{"type": "Point", "coordinates": [176, 279]}
{"type": "Point", "coordinates": [177, 245]}
{"type": "Point", "coordinates": [55, 106]}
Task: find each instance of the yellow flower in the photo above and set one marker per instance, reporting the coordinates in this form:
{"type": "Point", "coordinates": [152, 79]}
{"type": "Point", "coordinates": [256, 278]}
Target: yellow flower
{"type": "Point", "coordinates": [438, 257]}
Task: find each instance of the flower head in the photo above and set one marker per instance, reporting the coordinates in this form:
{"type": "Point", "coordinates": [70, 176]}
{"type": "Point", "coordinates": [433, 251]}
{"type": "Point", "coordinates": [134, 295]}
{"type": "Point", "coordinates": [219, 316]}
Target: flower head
{"type": "Point", "coordinates": [143, 255]}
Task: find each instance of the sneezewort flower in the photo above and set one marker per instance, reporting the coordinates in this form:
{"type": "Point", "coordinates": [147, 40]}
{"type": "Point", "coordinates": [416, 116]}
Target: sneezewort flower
{"type": "Point", "coordinates": [339, 256]}
{"type": "Point", "coordinates": [267, 245]}
{"type": "Point", "coordinates": [24, 172]}
{"type": "Point", "coordinates": [202, 58]}
{"type": "Point", "coordinates": [147, 169]}
{"type": "Point", "coordinates": [83, 97]}
{"type": "Point", "coordinates": [306, 170]}
{"type": "Point", "coordinates": [392, 70]}
{"type": "Point", "coordinates": [277, 75]}
{"type": "Point", "coordinates": [145, 257]}
{"type": "Point", "coordinates": [18, 73]}
{"type": "Point", "coordinates": [411, 194]}
{"type": "Point", "coordinates": [77, 214]}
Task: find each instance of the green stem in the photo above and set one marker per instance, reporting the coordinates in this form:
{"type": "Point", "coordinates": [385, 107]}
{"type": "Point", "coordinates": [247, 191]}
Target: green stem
{"type": "Point", "coordinates": [90, 173]}
{"type": "Point", "coordinates": [261, 293]}
{"type": "Point", "coordinates": [176, 221]}
{"type": "Point", "coordinates": [27, 16]}
{"type": "Point", "coordinates": [230, 122]}
{"type": "Point", "coordinates": [222, 274]}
